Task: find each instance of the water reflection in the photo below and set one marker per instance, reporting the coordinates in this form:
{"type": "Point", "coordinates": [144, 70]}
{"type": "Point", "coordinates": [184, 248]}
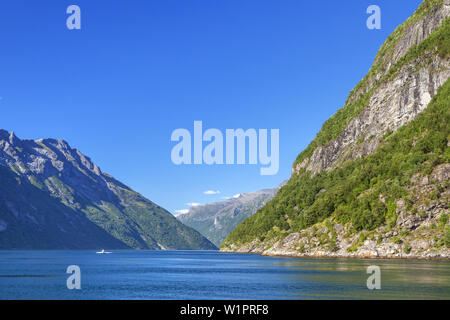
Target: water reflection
{"type": "Point", "coordinates": [201, 275]}
{"type": "Point", "coordinates": [346, 278]}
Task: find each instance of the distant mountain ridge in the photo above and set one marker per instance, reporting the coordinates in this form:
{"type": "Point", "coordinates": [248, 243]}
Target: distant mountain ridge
{"type": "Point", "coordinates": [54, 197]}
{"type": "Point", "coordinates": [215, 220]}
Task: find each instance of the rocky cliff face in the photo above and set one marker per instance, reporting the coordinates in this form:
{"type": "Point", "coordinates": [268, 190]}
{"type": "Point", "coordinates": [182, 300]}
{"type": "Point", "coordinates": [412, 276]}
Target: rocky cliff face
{"type": "Point", "coordinates": [374, 182]}
{"type": "Point", "coordinates": [53, 196]}
{"type": "Point", "coordinates": [392, 101]}
{"type": "Point", "coordinates": [216, 220]}
{"type": "Point", "coordinates": [392, 105]}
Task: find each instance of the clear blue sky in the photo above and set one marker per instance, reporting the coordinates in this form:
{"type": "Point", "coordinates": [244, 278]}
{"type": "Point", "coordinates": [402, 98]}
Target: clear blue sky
{"type": "Point", "coordinates": [140, 69]}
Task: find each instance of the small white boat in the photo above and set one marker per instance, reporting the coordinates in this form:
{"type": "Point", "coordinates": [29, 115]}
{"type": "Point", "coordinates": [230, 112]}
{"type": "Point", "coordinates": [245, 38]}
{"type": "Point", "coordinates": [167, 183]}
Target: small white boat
{"type": "Point", "coordinates": [103, 252]}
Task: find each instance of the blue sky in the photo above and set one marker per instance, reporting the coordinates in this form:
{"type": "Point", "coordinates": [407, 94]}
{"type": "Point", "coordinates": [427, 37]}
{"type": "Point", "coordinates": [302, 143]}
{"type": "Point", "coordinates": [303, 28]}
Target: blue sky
{"type": "Point", "coordinates": [137, 70]}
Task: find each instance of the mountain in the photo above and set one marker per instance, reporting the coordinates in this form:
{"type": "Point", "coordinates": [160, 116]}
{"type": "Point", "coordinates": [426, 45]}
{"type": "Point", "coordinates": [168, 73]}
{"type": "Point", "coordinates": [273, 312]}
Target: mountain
{"type": "Point", "coordinates": [216, 220]}
{"type": "Point", "coordinates": [54, 197]}
{"type": "Point", "coordinates": [375, 180]}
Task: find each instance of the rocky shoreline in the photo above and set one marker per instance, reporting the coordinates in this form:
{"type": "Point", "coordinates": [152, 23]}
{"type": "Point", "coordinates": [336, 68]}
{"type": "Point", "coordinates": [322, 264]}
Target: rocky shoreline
{"type": "Point", "coordinates": [356, 257]}
{"type": "Point", "coordinates": [331, 255]}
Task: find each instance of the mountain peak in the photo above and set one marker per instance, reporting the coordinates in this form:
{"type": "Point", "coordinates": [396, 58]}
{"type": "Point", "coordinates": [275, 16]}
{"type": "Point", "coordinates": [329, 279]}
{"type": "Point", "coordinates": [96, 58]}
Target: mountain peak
{"type": "Point", "coordinates": [9, 136]}
{"type": "Point", "coordinates": [13, 139]}
{"type": "Point", "coordinates": [53, 196]}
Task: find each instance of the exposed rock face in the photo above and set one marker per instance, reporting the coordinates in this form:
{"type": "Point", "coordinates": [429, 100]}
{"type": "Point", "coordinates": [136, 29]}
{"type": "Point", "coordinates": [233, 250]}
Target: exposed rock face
{"type": "Point", "coordinates": [392, 104]}
{"type": "Point", "coordinates": [414, 34]}
{"type": "Point", "coordinates": [408, 72]}
{"type": "Point", "coordinates": [53, 196]}
{"type": "Point", "coordinates": [216, 220]}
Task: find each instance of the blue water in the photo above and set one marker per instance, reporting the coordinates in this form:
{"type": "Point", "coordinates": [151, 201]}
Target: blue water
{"type": "Point", "coordinates": [212, 275]}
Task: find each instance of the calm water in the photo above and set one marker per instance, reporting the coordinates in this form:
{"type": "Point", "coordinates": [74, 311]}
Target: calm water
{"type": "Point", "coordinates": [213, 275]}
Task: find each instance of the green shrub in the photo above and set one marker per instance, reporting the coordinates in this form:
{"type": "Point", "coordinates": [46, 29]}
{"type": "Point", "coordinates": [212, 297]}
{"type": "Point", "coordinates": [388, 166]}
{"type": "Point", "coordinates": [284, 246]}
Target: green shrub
{"type": "Point", "coordinates": [447, 237]}
{"type": "Point", "coordinates": [406, 248]}
{"type": "Point", "coordinates": [396, 240]}
{"type": "Point", "coordinates": [443, 219]}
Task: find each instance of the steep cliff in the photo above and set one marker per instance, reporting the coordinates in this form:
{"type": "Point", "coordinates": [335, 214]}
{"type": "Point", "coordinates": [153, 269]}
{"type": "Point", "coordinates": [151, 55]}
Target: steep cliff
{"type": "Point", "coordinates": [374, 181]}
{"type": "Point", "coordinates": [54, 197]}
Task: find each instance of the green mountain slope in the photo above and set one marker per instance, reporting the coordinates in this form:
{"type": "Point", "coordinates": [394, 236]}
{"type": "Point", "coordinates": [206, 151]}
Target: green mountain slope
{"type": "Point", "coordinates": [54, 197]}
{"type": "Point", "coordinates": [374, 182]}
